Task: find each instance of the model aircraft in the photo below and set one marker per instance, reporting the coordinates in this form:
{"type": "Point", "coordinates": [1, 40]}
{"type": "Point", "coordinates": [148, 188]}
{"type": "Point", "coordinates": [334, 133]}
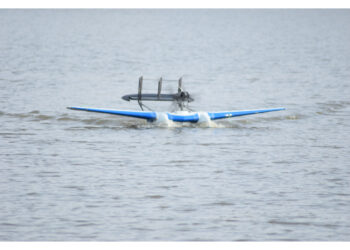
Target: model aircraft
{"type": "Point", "coordinates": [182, 114]}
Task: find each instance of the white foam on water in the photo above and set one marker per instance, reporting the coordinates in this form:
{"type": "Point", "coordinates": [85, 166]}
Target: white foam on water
{"type": "Point", "coordinates": [163, 120]}
{"type": "Point", "coordinates": [203, 122]}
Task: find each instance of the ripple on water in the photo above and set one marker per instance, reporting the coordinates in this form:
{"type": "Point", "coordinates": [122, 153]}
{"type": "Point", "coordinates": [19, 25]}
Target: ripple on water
{"type": "Point", "coordinates": [156, 196]}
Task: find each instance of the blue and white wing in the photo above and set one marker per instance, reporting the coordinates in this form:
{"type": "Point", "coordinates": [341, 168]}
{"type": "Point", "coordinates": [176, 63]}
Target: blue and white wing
{"type": "Point", "coordinates": [148, 115]}
{"type": "Point", "coordinates": [228, 114]}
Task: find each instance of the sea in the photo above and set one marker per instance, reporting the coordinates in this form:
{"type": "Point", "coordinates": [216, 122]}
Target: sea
{"type": "Point", "coordinates": [77, 176]}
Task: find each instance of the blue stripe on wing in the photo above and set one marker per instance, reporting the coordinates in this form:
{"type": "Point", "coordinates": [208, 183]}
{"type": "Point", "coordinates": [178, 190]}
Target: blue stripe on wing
{"type": "Point", "coordinates": [228, 114]}
{"type": "Point", "coordinates": [136, 114]}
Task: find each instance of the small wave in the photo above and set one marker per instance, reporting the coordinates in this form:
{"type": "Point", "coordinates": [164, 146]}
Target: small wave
{"type": "Point", "coordinates": [44, 117]}
{"type": "Point", "coordinates": [90, 121]}
{"type": "Point", "coordinates": [294, 223]}
{"type": "Point", "coordinates": [35, 114]}
{"type": "Point", "coordinates": [331, 107]}
{"type": "Point", "coordinates": [221, 203]}
{"type": "Point", "coordinates": [156, 196]}
{"type": "Point", "coordinates": [281, 118]}
{"type": "Point", "coordinates": [297, 223]}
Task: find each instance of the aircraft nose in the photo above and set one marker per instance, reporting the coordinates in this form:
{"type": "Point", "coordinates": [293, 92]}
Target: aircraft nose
{"type": "Point", "coordinates": [126, 98]}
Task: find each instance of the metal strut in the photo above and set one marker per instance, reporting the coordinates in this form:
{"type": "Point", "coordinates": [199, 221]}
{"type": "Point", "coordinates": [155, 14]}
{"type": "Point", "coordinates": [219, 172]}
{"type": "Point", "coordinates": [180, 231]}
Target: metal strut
{"type": "Point", "coordinates": [139, 95]}
{"type": "Point", "coordinates": [179, 91]}
{"type": "Point", "coordinates": [140, 92]}
{"type": "Point", "coordinates": [159, 87]}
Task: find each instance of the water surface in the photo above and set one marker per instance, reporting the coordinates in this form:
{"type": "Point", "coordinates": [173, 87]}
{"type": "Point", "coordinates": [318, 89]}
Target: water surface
{"type": "Point", "coordinates": [68, 175]}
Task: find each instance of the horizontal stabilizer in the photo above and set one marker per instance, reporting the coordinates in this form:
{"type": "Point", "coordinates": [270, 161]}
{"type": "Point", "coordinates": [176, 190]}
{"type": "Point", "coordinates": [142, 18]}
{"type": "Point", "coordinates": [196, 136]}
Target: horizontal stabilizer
{"type": "Point", "coordinates": [228, 114]}
{"type": "Point", "coordinates": [148, 115]}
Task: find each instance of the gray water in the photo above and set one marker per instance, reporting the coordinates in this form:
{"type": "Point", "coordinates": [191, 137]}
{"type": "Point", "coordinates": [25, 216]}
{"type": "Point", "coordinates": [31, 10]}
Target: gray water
{"type": "Point", "coordinates": [68, 175]}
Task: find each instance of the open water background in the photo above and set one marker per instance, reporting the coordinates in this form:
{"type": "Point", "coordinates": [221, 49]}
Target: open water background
{"type": "Point", "coordinates": [68, 175]}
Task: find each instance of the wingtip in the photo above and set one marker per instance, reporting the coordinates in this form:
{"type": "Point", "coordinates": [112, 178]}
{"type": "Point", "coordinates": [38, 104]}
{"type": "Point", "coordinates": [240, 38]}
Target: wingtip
{"type": "Point", "coordinates": [73, 108]}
